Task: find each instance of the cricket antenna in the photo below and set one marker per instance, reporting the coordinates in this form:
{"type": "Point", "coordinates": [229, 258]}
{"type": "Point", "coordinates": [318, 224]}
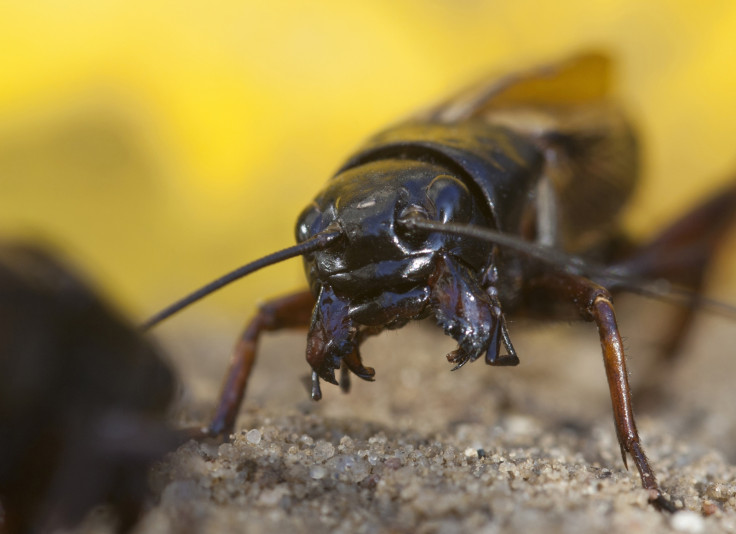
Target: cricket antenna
{"type": "Point", "coordinates": [658, 289]}
{"type": "Point", "coordinates": [317, 242]}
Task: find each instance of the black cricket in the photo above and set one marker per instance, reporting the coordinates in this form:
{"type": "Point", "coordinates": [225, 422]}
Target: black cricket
{"type": "Point", "coordinates": [84, 399]}
{"type": "Point", "coordinates": [504, 200]}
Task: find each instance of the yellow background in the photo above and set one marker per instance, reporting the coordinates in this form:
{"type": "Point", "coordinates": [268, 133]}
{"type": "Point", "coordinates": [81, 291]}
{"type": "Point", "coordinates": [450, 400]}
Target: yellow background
{"type": "Point", "coordinates": [161, 144]}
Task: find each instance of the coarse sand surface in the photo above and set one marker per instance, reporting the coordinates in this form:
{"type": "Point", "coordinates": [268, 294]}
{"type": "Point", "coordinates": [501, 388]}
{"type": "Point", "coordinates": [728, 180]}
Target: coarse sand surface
{"type": "Point", "coordinates": [481, 449]}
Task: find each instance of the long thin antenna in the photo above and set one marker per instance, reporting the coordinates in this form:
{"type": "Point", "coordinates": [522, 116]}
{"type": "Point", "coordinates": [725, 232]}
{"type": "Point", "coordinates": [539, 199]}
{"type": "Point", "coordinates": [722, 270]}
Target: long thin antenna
{"type": "Point", "coordinates": [659, 289]}
{"type": "Point", "coordinates": [572, 264]}
{"type": "Point", "coordinates": [317, 242]}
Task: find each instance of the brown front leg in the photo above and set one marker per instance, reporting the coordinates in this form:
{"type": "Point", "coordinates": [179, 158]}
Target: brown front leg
{"type": "Point", "coordinates": [682, 254]}
{"type": "Point", "coordinates": [594, 303]}
{"type": "Point", "coordinates": [293, 311]}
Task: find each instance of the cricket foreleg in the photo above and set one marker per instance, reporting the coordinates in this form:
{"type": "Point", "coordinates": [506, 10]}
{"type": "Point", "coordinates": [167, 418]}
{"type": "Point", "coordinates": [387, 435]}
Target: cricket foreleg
{"type": "Point", "coordinates": [594, 304]}
{"type": "Point", "coordinates": [293, 311]}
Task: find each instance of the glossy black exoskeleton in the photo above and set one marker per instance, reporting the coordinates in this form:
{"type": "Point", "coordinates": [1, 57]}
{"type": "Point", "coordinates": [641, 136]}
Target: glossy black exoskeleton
{"type": "Point", "coordinates": [503, 200]}
{"type": "Point", "coordinates": [83, 399]}
{"type": "Point", "coordinates": [383, 274]}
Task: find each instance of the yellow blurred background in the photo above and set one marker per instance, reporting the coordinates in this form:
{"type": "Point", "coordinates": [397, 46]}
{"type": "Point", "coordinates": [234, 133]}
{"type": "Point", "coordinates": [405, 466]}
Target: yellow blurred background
{"type": "Point", "coordinates": [161, 144]}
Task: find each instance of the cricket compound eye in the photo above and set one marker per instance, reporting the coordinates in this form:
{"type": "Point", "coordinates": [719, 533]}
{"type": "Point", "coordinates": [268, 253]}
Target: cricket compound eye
{"type": "Point", "coordinates": [450, 199]}
{"type": "Point", "coordinates": [308, 223]}
{"type": "Point", "coordinates": [412, 236]}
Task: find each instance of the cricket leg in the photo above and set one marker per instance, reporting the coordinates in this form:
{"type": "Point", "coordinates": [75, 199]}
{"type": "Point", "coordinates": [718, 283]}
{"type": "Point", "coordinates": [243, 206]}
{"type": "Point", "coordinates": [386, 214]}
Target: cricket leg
{"type": "Point", "coordinates": [594, 303]}
{"type": "Point", "coordinates": [682, 254]}
{"type": "Point", "coordinates": [293, 311]}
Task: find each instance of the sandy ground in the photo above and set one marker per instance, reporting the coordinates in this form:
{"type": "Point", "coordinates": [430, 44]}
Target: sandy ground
{"type": "Point", "coordinates": [526, 449]}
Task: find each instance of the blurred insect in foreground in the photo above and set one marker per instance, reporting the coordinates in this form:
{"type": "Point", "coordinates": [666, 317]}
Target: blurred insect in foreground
{"type": "Point", "coordinates": [83, 399]}
{"type": "Point", "coordinates": [503, 200]}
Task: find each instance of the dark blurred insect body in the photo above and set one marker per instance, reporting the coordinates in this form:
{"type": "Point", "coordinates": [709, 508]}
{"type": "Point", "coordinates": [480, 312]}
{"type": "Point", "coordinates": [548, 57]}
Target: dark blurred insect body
{"type": "Point", "coordinates": [473, 210]}
{"type": "Point", "coordinates": [83, 399]}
